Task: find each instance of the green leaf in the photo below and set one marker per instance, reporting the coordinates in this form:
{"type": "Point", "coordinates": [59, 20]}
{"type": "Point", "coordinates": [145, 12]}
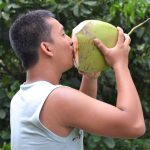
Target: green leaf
{"type": "Point", "coordinates": [2, 94]}
{"type": "Point", "coordinates": [15, 86]}
{"type": "Point", "coordinates": [140, 32]}
{"type": "Point", "coordinates": [148, 1]}
{"type": "Point", "coordinates": [146, 144]}
{"type": "Point", "coordinates": [5, 16]}
{"type": "Point", "coordinates": [76, 10]}
{"type": "Point", "coordinates": [5, 146]}
{"type": "Point", "coordinates": [91, 143]}
{"type": "Point", "coordinates": [2, 5]}
{"type": "Point", "coordinates": [96, 138]}
{"type": "Point", "coordinates": [110, 143]}
{"type": "Point", "coordinates": [90, 3]}
{"type": "Point", "coordinates": [4, 134]}
{"type": "Point", "coordinates": [13, 6]}
{"type": "Point", "coordinates": [85, 11]}
{"type": "Point", "coordinates": [2, 114]}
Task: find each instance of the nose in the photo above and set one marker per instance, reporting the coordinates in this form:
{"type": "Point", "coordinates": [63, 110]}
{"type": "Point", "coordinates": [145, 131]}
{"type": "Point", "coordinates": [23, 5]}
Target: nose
{"type": "Point", "coordinates": [69, 39]}
{"type": "Point", "coordinates": [71, 43]}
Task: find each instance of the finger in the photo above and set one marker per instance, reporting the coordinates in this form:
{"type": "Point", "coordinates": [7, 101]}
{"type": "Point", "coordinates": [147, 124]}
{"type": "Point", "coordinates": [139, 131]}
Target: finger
{"type": "Point", "coordinates": [127, 39]}
{"type": "Point", "coordinates": [100, 45]}
{"type": "Point", "coordinates": [120, 36]}
{"type": "Point", "coordinates": [81, 72]}
{"type": "Point", "coordinates": [129, 48]}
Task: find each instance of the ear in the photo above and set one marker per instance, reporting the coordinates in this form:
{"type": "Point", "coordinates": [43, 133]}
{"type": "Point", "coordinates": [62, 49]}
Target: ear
{"type": "Point", "coordinates": [46, 48]}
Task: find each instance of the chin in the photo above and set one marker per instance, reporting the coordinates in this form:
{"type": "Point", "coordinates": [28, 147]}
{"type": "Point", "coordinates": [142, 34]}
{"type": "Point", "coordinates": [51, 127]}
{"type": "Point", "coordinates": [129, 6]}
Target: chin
{"type": "Point", "coordinates": [70, 66]}
{"type": "Point", "coordinates": [66, 68]}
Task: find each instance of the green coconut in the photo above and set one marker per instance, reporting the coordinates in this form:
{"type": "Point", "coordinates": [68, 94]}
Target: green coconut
{"type": "Point", "coordinates": [88, 58]}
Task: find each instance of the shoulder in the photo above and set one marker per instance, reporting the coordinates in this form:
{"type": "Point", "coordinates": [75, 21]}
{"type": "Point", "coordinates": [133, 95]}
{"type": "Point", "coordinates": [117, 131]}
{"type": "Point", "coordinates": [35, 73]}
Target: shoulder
{"type": "Point", "coordinates": [65, 93]}
{"type": "Point", "coordinates": [69, 97]}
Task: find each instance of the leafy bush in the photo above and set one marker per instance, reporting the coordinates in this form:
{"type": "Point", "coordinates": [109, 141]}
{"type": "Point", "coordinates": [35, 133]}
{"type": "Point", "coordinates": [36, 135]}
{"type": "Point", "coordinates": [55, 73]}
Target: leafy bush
{"type": "Point", "coordinates": [5, 146]}
{"type": "Point", "coordinates": [123, 13]}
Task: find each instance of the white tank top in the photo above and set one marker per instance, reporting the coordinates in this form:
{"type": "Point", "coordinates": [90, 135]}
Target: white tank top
{"type": "Point", "coordinates": [27, 132]}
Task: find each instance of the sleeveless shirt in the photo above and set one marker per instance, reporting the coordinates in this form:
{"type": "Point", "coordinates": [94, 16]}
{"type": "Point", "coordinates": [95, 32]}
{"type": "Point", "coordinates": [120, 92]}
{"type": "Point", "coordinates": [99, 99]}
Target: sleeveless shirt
{"type": "Point", "coordinates": [27, 131]}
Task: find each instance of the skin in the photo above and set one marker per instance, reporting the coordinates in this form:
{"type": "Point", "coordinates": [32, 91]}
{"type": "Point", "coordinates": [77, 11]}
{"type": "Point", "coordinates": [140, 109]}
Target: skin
{"type": "Point", "coordinates": [67, 108]}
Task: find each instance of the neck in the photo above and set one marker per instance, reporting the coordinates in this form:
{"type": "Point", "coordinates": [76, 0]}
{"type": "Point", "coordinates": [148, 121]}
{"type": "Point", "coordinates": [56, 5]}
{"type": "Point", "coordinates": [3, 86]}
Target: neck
{"type": "Point", "coordinates": [43, 74]}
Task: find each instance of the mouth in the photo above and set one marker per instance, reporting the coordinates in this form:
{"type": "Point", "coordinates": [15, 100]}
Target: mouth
{"type": "Point", "coordinates": [75, 50]}
{"type": "Point", "coordinates": [73, 54]}
{"type": "Point", "coordinates": [72, 48]}
{"type": "Point", "coordinates": [74, 57]}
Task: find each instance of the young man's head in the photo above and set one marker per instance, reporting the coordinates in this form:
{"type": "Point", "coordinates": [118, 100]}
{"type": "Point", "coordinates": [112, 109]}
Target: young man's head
{"type": "Point", "coordinates": [38, 30]}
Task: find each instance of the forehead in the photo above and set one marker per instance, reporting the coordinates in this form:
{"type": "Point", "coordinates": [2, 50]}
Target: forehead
{"type": "Point", "coordinates": [56, 25]}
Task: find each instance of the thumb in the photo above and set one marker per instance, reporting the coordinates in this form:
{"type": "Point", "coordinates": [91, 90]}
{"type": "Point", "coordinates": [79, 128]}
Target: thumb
{"type": "Point", "coordinates": [100, 45]}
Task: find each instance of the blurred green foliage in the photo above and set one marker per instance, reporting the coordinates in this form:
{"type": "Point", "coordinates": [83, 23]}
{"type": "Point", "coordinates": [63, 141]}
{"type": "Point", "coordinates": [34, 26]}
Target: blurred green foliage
{"type": "Point", "coordinates": [123, 13]}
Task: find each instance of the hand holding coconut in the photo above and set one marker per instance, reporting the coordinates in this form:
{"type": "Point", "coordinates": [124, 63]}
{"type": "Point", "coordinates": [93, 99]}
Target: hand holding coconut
{"type": "Point", "coordinates": [118, 55]}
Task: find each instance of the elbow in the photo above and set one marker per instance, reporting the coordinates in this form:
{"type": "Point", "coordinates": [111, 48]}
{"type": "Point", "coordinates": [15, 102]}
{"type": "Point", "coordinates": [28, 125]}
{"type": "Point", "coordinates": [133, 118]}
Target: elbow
{"type": "Point", "coordinates": [140, 130]}
{"type": "Point", "coordinates": [137, 130]}
{"type": "Point", "coordinates": [133, 128]}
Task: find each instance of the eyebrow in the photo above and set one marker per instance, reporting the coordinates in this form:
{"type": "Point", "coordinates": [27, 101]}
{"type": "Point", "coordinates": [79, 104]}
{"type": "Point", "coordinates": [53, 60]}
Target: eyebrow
{"type": "Point", "coordinates": [62, 28]}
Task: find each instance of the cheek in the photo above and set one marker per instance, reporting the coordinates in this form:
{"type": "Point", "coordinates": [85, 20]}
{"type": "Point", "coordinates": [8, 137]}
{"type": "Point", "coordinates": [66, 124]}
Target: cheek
{"type": "Point", "coordinates": [67, 42]}
{"type": "Point", "coordinates": [64, 48]}
{"type": "Point", "coordinates": [62, 44]}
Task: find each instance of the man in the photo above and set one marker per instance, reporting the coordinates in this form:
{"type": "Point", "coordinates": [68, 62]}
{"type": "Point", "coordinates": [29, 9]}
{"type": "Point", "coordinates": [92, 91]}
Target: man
{"type": "Point", "coordinates": [49, 116]}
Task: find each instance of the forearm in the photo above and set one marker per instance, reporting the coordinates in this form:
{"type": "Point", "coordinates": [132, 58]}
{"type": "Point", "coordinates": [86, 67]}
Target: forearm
{"type": "Point", "coordinates": [128, 99]}
{"type": "Point", "coordinates": [89, 86]}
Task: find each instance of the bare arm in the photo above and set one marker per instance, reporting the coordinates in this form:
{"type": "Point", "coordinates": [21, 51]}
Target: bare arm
{"type": "Point", "coordinates": [128, 99]}
{"type": "Point", "coordinates": [89, 84]}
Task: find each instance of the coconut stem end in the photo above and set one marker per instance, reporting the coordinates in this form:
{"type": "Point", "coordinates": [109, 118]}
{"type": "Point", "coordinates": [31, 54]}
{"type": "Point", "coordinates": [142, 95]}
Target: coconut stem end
{"type": "Point", "coordinates": [134, 28]}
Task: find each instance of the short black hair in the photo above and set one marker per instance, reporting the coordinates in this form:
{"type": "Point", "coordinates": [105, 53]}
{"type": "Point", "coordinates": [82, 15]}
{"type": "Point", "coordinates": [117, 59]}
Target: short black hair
{"type": "Point", "coordinates": [26, 34]}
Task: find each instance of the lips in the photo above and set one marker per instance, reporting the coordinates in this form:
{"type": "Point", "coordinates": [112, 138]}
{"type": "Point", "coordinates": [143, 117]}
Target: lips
{"type": "Point", "coordinates": [75, 50]}
{"type": "Point", "coordinates": [72, 48]}
{"type": "Point", "coordinates": [73, 54]}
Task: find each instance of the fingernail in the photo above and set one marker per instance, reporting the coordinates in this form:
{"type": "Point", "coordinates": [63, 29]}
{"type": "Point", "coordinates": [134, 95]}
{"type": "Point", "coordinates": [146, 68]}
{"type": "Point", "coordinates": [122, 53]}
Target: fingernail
{"type": "Point", "coordinates": [96, 40]}
{"type": "Point", "coordinates": [118, 27]}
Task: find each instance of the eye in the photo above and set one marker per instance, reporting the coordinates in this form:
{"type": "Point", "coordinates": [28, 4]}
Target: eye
{"type": "Point", "coordinates": [63, 34]}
